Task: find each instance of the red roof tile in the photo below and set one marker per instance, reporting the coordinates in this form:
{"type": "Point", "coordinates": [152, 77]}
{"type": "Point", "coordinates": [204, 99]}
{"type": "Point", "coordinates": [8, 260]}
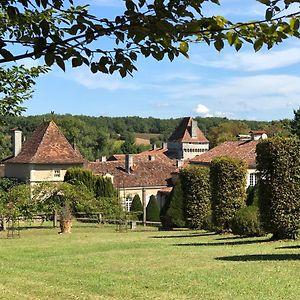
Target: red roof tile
{"type": "Point", "coordinates": [144, 174]}
{"type": "Point", "coordinates": [245, 150]}
{"type": "Point", "coordinates": [47, 145]}
{"type": "Point", "coordinates": [159, 154]}
{"type": "Point", "coordinates": [183, 133]}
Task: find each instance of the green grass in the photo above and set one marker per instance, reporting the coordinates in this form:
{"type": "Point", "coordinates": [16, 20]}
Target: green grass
{"type": "Point", "coordinates": [96, 262]}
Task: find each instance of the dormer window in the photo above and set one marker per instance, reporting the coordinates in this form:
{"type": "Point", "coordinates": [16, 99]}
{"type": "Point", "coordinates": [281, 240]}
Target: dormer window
{"type": "Point", "coordinates": [57, 173]}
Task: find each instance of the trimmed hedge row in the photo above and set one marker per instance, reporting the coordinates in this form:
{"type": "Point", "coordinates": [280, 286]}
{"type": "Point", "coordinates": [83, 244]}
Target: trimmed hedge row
{"type": "Point", "coordinates": [228, 181]}
{"type": "Point", "coordinates": [278, 161]}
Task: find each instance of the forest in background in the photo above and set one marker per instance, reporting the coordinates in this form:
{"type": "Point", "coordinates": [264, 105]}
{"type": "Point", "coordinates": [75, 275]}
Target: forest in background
{"type": "Point", "coordinates": [104, 136]}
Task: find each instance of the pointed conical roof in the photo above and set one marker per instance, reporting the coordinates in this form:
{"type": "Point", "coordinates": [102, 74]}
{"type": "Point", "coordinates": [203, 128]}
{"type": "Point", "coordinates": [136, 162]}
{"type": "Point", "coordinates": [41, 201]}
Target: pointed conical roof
{"type": "Point", "coordinates": [47, 145]}
{"type": "Point", "coordinates": [183, 133]}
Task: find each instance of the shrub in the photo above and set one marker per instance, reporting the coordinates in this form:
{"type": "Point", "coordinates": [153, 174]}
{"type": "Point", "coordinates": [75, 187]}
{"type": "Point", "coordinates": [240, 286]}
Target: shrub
{"type": "Point", "coordinates": [196, 191]}
{"type": "Point", "coordinates": [137, 207]}
{"type": "Point", "coordinates": [80, 176]}
{"type": "Point", "coordinates": [228, 181]}
{"type": "Point", "coordinates": [175, 213]}
{"type": "Point", "coordinates": [252, 195]}
{"type": "Point", "coordinates": [152, 210]}
{"type": "Point", "coordinates": [278, 161]}
{"type": "Point", "coordinates": [246, 222]}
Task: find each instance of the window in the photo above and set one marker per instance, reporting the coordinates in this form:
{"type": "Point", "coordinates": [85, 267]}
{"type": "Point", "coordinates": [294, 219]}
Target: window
{"type": "Point", "coordinates": [253, 179]}
{"type": "Point", "coordinates": [126, 203]}
{"type": "Point", "coordinates": [56, 173]}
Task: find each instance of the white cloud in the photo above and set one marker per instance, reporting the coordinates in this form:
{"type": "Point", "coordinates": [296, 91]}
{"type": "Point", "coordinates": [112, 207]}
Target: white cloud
{"type": "Point", "coordinates": [250, 95]}
{"type": "Point", "coordinates": [202, 109]}
{"type": "Point", "coordinates": [250, 61]}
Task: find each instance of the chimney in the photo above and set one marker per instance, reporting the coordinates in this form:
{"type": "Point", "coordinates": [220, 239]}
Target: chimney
{"type": "Point", "coordinates": [194, 127]}
{"type": "Point", "coordinates": [153, 146]}
{"type": "Point", "coordinates": [16, 141]}
{"type": "Point", "coordinates": [128, 162]}
{"type": "Point", "coordinates": [164, 145]}
{"type": "Point", "coordinates": [101, 159]}
{"type": "Point", "coordinates": [151, 157]}
{"type": "Point", "coordinates": [179, 163]}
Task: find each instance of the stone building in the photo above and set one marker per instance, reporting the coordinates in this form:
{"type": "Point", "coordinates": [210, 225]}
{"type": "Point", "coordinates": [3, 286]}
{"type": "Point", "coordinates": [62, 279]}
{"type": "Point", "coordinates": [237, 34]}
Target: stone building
{"type": "Point", "coordinates": [187, 140]}
{"type": "Point", "coordinates": [44, 156]}
{"type": "Point", "coordinates": [244, 149]}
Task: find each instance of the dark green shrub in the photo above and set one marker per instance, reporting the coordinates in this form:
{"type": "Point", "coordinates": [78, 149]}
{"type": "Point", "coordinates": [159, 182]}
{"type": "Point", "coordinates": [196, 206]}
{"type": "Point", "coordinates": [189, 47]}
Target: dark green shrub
{"type": "Point", "coordinates": [252, 195]}
{"type": "Point", "coordinates": [137, 207]}
{"type": "Point", "coordinates": [104, 188]}
{"type": "Point", "coordinates": [278, 161]}
{"type": "Point", "coordinates": [152, 210]}
{"type": "Point", "coordinates": [208, 222]}
{"type": "Point", "coordinates": [175, 213]}
{"type": "Point", "coordinates": [80, 176]}
{"type": "Point", "coordinates": [228, 181]}
{"type": "Point", "coordinates": [246, 222]}
{"type": "Point", "coordinates": [99, 185]}
{"type": "Point", "coordinates": [196, 191]}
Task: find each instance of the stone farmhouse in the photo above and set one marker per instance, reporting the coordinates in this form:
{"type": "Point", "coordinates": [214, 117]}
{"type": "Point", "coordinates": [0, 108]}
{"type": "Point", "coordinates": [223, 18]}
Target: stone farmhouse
{"type": "Point", "coordinates": [45, 156]}
{"type": "Point", "coordinates": [244, 149]}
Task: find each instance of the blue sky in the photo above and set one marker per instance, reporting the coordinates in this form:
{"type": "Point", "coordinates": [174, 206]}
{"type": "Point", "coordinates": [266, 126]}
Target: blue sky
{"type": "Point", "coordinates": [244, 85]}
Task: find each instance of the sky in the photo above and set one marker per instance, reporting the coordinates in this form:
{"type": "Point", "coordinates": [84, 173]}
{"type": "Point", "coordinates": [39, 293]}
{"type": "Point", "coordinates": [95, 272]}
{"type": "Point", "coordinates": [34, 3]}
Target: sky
{"type": "Point", "coordinates": [237, 85]}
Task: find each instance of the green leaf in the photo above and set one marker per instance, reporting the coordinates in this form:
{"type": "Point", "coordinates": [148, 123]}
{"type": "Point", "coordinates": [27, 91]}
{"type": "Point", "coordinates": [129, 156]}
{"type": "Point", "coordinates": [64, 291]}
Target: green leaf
{"type": "Point", "coordinates": [258, 44]}
{"type": "Point", "coordinates": [184, 47]}
{"type": "Point", "coordinates": [294, 23]}
{"type": "Point", "coordinates": [219, 44]}
{"type": "Point", "coordinates": [76, 62]}
{"type": "Point", "coordinates": [49, 58]}
{"type": "Point", "coordinates": [60, 62]}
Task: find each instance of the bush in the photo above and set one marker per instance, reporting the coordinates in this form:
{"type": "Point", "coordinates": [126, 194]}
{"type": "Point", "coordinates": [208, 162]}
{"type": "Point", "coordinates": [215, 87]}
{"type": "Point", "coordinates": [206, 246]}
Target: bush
{"type": "Point", "coordinates": [152, 210]}
{"type": "Point", "coordinates": [252, 195]}
{"type": "Point", "coordinates": [175, 213]}
{"type": "Point", "coordinates": [196, 191]}
{"type": "Point", "coordinates": [246, 222]}
{"type": "Point", "coordinates": [137, 207]}
{"type": "Point", "coordinates": [228, 181]}
{"type": "Point", "coordinates": [278, 161]}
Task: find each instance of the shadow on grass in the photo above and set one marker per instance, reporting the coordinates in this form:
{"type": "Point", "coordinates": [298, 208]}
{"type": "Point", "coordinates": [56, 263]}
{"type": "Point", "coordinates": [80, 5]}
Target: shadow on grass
{"type": "Point", "coordinates": [289, 247]}
{"type": "Point", "coordinates": [191, 235]}
{"type": "Point", "coordinates": [225, 243]}
{"type": "Point", "coordinates": [231, 238]}
{"type": "Point", "coordinates": [261, 257]}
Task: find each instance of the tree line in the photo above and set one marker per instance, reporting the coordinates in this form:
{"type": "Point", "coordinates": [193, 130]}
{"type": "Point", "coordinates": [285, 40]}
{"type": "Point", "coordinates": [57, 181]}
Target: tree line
{"type": "Point", "coordinates": [104, 136]}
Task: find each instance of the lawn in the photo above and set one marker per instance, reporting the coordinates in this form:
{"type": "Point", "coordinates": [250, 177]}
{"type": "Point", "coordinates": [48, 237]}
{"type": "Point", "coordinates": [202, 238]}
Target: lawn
{"type": "Point", "coordinates": [96, 262]}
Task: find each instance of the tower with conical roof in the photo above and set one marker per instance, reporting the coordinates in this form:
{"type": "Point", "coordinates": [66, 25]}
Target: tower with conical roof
{"type": "Point", "coordinates": [44, 156]}
{"type": "Point", "coordinates": [187, 140]}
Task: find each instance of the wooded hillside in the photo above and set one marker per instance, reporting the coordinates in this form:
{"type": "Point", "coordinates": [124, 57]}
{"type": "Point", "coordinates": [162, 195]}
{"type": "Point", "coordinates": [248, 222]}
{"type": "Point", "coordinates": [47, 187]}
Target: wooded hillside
{"type": "Point", "coordinates": [97, 136]}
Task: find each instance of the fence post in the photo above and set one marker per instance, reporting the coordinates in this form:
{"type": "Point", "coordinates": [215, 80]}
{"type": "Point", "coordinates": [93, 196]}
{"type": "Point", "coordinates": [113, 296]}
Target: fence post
{"type": "Point", "coordinates": [54, 219]}
{"type": "Point", "coordinates": [3, 223]}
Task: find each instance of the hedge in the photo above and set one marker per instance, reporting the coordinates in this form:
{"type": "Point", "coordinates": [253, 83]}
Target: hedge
{"type": "Point", "coordinates": [228, 185]}
{"type": "Point", "coordinates": [175, 213]}
{"type": "Point", "coordinates": [278, 161]}
{"type": "Point", "coordinates": [152, 210]}
{"type": "Point", "coordinates": [196, 191]}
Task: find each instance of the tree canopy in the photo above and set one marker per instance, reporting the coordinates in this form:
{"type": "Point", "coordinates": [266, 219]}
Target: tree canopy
{"type": "Point", "coordinates": [60, 31]}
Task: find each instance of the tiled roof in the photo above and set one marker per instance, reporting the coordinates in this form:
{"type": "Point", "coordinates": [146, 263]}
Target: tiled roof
{"type": "Point", "coordinates": [47, 145]}
{"type": "Point", "coordinates": [244, 150]}
{"type": "Point", "coordinates": [160, 154]}
{"type": "Point", "coordinates": [144, 173]}
{"type": "Point", "coordinates": [183, 133]}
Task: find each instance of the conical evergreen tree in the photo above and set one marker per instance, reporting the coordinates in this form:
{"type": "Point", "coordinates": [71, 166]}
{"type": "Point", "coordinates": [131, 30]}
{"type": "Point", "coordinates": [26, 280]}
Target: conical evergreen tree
{"type": "Point", "coordinates": [152, 210]}
{"type": "Point", "coordinates": [176, 208]}
{"type": "Point", "coordinates": [136, 204]}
